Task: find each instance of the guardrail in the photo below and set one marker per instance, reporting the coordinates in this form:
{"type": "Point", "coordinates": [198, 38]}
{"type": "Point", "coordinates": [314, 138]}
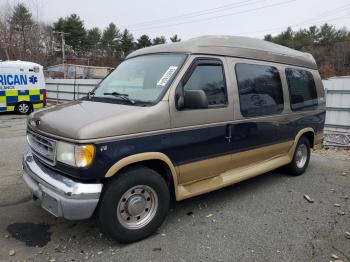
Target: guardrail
{"type": "Point", "coordinates": [63, 90]}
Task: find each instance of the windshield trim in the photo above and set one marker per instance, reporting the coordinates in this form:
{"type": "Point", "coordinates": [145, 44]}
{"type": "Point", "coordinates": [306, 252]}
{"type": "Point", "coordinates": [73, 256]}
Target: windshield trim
{"type": "Point", "coordinates": [161, 95]}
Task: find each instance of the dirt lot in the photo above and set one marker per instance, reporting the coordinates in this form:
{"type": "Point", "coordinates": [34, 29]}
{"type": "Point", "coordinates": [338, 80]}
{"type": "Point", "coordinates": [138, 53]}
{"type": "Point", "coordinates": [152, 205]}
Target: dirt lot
{"type": "Point", "coordinates": [263, 219]}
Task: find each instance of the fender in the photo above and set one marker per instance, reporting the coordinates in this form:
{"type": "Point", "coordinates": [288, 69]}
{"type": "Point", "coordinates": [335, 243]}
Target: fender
{"type": "Point", "coordinates": [144, 157]}
{"type": "Point", "coordinates": [296, 139]}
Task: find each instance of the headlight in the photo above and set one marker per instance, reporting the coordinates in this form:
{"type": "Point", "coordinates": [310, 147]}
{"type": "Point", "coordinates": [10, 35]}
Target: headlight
{"type": "Point", "coordinates": [75, 155]}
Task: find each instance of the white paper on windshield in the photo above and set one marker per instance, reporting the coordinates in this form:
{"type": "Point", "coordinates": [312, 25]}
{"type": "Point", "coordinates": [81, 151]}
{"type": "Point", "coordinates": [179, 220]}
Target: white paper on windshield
{"type": "Point", "coordinates": [167, 75]}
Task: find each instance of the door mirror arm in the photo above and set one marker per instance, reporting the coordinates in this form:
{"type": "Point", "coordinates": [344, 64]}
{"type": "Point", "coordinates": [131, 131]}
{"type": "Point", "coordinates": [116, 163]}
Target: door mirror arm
{"type": "Point", "coordinates": [180, 102]}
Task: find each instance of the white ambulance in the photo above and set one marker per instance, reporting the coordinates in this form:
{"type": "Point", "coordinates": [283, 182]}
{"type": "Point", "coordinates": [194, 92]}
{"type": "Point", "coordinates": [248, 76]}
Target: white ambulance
{"type": "Point", "coordinates": [22, 86]}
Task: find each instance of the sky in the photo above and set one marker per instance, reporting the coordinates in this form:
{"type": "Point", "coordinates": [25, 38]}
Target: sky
{"type": "Point", "coordinates": [191, 18]}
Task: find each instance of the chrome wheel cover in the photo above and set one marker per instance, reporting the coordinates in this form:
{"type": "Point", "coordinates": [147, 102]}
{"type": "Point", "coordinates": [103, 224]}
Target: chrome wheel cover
{"type": "Point", "coordinates": [23, 108]}
{"type": "Point", "coordinates": [301, 156]}
{"type": "Point", "coordinates": [137, 207]}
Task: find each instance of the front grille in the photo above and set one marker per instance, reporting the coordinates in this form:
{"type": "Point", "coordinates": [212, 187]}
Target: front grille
{"type": "Point", "coordinates": [42, 147]}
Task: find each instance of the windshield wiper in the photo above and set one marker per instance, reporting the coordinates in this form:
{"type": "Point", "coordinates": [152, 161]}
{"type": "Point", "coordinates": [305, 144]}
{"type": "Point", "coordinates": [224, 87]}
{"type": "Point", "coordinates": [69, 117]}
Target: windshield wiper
{"type": "Point", "coordinates": [122, 96]}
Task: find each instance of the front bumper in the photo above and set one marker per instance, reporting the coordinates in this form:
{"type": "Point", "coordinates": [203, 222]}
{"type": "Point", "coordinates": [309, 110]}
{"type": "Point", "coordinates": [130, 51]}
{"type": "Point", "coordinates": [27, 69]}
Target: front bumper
{"type": "Point", "coordinates": [59, 195]}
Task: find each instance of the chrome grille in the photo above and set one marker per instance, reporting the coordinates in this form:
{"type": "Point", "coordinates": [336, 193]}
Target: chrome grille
{"type": "Point", "coordinates": [44, 148]}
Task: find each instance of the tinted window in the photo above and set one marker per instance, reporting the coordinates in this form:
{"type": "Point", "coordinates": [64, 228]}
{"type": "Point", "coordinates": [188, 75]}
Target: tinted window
{"type": "Point", "coordinates": [210, 79]}
{"type": "Point", "coordinates": [260, 90]}
{"type": "Point", "coordinates": [302, 89]}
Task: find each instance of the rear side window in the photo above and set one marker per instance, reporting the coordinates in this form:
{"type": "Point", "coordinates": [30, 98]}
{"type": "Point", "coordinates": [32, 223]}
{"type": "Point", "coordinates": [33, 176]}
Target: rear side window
{"type": "Point", "coordinates": [260, 90]}
{"type": "Point", "coordinates": [302, 89]}
{"type": "Point", "coordinates": [210, 79]}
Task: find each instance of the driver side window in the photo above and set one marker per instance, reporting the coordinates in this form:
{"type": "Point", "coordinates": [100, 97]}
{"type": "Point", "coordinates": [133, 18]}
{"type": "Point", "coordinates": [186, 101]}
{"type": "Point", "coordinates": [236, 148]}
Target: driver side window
{"type": "Point", "coordinates": [210, 78]}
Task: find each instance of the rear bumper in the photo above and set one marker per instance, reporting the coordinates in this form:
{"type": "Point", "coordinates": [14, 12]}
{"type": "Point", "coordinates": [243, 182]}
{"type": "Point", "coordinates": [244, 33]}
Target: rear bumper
{"type": "Point", "coordinates": [59, 195]}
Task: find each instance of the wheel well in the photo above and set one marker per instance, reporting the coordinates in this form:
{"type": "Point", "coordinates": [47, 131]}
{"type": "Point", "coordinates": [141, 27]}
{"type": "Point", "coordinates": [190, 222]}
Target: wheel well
{"type": "Point", "coordinates": [311, 137]}
{"type": "Point", "coordinates": [161, 168]}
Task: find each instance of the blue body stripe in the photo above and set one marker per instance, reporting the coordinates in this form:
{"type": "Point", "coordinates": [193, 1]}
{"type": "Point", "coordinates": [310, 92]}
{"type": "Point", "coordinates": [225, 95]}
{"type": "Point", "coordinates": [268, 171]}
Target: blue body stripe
{"type": "Point", "coordinates": [34, 98]}
{"type": "Point", "coordinates": [10, 100]}
{"type": "Point", "coordinates": [198, 144]}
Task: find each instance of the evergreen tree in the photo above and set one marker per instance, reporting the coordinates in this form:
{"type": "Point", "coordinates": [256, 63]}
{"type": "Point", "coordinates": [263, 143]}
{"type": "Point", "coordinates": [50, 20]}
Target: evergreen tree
{"type": "Point", "coordinates": [111, 40]}
{"type": "Point", "coordinates": [75, 31]}
{"type": "Point", "coordinates": [159, 40]}
{"type": "Point", "coordinates": [143, 41]}
{"type": "Point", "coordinates": [21, 21]}
{"type": "Point", "coordinates": [313, 34]}
{"type": "Point", "coordinates": [301, 40]}
{"type": "Point", "coordinates": [285, 38]}
{"type": "Point", "coordinates": [326, 35]}
{"type": "Point", "coordinates": [175, 38]}
{"type": "Point", "coordinates": [126, 42]}
{"type": "Point", "coordinates": [93, 38]}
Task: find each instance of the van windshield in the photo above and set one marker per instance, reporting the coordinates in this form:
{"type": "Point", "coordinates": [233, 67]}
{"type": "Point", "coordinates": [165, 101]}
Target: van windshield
{"type": "Point", "coordinates": [141, 79]}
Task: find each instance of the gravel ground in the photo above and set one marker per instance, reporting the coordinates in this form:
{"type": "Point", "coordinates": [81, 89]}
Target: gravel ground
{"type": "Point", "coordinates": [266, 218]}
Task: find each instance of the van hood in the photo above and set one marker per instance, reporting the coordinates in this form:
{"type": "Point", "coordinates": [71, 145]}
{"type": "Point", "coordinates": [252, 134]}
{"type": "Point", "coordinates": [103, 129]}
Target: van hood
{"type": "Point", "coordinates": [84, 120]}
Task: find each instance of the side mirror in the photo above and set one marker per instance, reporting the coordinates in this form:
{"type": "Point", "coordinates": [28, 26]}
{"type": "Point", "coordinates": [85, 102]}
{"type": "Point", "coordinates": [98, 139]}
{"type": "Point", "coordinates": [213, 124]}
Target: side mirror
{"type": "Point", "coordinates": [195, 99]}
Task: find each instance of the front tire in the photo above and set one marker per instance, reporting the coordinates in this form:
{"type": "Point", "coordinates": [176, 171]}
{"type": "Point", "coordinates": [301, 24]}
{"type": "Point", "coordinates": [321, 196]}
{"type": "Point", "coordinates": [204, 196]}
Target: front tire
{"type": "Point", "coordinates": [301, 157]}
{"type": "Point", "coordinates": [134, 204]}
{"type": "Point", "coordinates": [23, 108]}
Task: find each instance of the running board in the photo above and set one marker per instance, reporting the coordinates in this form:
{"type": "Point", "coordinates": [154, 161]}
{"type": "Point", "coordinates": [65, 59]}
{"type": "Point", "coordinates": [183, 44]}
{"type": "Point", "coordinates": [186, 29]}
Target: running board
{"type": "Point", "coordinates": [230, 177]}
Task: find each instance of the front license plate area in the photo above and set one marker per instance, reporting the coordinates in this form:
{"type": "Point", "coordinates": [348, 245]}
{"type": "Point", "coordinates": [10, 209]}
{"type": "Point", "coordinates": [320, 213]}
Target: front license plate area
{"type": "Point", "coordinates": [50, 204]}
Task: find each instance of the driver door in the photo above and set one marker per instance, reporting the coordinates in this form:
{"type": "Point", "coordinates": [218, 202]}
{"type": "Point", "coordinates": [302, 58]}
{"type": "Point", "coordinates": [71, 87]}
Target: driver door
{"type": "Point", "coordinates": [202, 134]}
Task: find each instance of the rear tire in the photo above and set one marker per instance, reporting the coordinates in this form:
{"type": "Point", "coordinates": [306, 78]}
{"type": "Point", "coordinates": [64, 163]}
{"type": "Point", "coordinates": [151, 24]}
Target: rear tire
{"type": "Point", "coordinates": [301, 157]}
{"type": "Point", "coordinates": [23, 108]}
{"type": "Point", "coordinates": [133, 205]}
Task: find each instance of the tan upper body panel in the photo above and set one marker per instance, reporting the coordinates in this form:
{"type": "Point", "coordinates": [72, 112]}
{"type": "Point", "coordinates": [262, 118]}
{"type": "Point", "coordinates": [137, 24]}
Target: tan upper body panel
{"type": "Point", "coordinates": [85, 120]}
{"type": "Point", "coordinates": [235, 46]}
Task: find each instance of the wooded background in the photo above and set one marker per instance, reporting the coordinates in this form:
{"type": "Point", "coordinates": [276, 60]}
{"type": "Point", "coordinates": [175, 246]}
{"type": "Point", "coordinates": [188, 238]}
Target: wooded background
{"type": "Point", "coordinates": [25, 38]}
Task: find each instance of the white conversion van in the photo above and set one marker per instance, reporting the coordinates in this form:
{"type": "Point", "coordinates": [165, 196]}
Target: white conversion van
{"type": "Point", "coordinates": [22, 86]}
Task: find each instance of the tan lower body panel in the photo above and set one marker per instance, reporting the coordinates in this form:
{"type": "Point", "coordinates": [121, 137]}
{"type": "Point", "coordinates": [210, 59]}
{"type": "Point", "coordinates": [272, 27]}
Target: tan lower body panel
{"type": "Point", "coordinates": [203, 169]}
{"type": "Point", "coordinates": [243, 166]}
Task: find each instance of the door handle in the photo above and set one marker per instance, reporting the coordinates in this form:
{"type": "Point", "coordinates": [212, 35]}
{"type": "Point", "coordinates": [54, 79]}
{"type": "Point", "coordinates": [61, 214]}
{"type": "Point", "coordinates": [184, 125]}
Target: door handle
{"type": "Point", "coordinates": [228, 135]}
